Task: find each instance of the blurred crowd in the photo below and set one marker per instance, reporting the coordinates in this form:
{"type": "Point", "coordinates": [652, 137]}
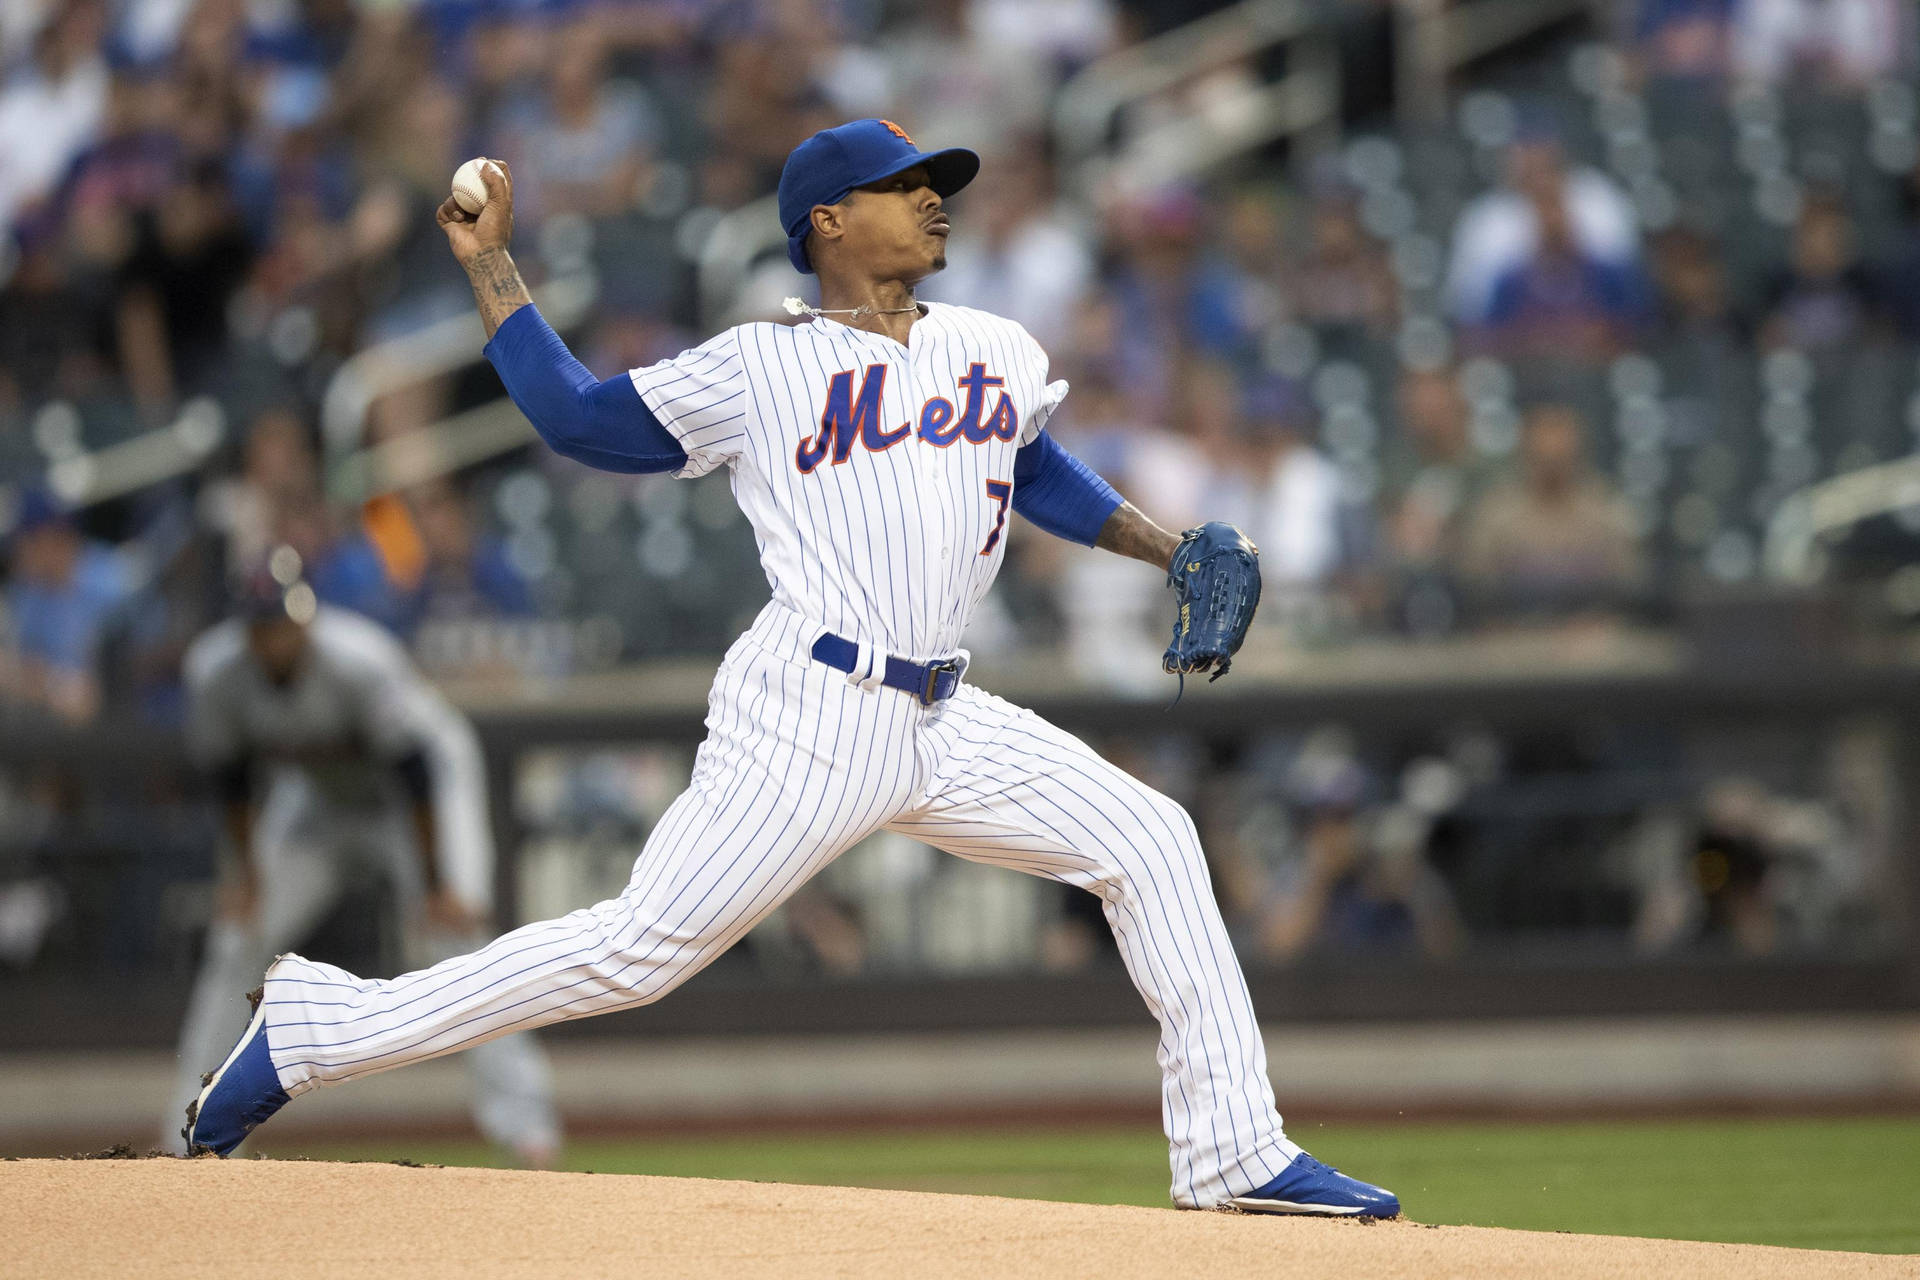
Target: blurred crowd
{"type": "Point", "coordinates": [1548, 362]}
{"type": "Point", "coordinates": [1448, 379]}
{"type": "Point", "coordinates": [1331, 844]}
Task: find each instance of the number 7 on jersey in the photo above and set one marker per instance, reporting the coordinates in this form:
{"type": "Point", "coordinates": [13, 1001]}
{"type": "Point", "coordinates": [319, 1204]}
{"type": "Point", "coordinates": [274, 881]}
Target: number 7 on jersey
{"type": "Point", "coordinates": [1000, 491]}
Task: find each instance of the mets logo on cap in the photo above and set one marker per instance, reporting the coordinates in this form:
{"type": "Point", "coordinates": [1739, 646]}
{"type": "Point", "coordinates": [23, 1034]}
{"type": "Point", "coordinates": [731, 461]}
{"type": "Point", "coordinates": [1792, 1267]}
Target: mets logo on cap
{"type": "Point", "coordinates": [899, 133]}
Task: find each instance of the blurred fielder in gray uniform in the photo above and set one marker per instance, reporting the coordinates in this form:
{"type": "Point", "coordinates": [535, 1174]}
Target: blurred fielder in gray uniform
{"type": "Point", "coordinates": [335, 757]}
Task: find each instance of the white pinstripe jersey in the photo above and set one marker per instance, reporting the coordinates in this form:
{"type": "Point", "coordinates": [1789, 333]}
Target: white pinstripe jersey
{"type": "Point", "coordinates": [876, 476]}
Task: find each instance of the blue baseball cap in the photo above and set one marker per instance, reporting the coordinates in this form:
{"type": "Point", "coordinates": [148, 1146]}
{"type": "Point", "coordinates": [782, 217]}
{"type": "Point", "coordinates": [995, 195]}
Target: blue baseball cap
{"type": "Point", "coordinates": [824, 168]}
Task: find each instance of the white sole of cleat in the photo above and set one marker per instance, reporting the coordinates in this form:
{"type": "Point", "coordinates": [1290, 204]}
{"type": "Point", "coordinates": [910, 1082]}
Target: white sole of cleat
{"type": "Point", "coordinates": [1246, 1204]}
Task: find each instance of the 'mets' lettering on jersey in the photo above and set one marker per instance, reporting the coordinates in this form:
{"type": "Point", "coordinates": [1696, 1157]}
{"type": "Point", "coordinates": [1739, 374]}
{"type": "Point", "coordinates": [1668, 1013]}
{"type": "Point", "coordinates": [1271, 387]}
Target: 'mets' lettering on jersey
{"type": "Point", "coordinates": [849, 417]}
{"type": "Point", "coordinates": [897, 548]}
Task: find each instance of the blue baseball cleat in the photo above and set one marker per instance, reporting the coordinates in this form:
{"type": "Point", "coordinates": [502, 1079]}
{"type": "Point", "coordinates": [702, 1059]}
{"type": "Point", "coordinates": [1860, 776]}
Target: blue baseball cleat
{"type": "Point", "coordinates": [239, 1096]}
{"type": "Point", "coordinates": [1307, 1186]}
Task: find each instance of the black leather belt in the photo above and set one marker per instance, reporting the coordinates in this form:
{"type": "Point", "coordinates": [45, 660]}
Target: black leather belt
{"type": "Point", "coordinates": [929, 681]}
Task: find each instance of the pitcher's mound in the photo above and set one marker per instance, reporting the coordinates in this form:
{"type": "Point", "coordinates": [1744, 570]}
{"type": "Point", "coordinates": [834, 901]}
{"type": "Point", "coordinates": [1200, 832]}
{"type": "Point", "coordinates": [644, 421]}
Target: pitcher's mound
{"type": "Point", "coordinates": [293, 1220]}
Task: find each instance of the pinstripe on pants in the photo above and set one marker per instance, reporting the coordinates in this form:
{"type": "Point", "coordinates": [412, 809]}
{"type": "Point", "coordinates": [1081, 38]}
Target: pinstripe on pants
{"type": "Point", "coordinates": [797, 767]}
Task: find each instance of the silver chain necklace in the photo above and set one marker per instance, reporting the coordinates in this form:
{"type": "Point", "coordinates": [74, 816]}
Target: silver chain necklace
{"type": "Point", "coordinates": [795, 307]}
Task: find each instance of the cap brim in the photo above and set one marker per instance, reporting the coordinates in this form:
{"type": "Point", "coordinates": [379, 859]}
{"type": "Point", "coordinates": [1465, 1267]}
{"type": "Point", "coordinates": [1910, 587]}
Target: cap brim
{"type": "Point", "coordinates": [947, 171]}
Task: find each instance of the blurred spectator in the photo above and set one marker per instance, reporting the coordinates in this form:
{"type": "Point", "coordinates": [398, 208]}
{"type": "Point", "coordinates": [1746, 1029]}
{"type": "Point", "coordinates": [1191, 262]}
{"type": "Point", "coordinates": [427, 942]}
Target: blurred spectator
{"type": "Point", "coordinates": [465, 572]}
{"type": "Point", "coordinates": [764, 96]}
{"type": "Point", "coordinates": [1760, 871]}
{"type": "Point", "coordinates": [1108, 611]}
{"type": "Point", "coordinates": [1433, 478]}
{"type": "Point", "coordinates": [187, 259]}
{"type": "Point", "coordinates": [1061, 35]}
{"type": "Point", "coordinates": [1903, 259]}
{"type": "Point", "coordinates": [183, 585]}
{"type": "Point", "coordinates": [1690, 280]}
{"type": "Point", "coordinates": [1343, 282]}
{"type": "Point", "coordinates": [1232, 453]}
{"type": "Point", "coordinates": [958, 81]}
{"type": "Point", "coordinates": [827, 931]}
{"type": "Point", "coordinates": [374, 563]}
{"type": "Point", "coordinates": [50, 341]}
{"type": "Point", "coordinates": [1702, 340]}
{"type": "Point", "coordinates": [402, 563]}
{"type": "Point", "coordinates": [345, 567]}
{"type": "Point", "coordinates": [276, 500]}
{"type": "Point", "coordinates": [62, 589]}
{"type": "Point", "coordinates": [146, 34]}
{"type": "Point", "coordinates": [1348, 889]}
{"type": "Point", "coordinates": [1136, 452]}
{"type": "Point", "coordinates": [1684, 40]}
{"type": "Point", "coordinates": [1303, 523]}
{"type": "Point", "coordinates": [399, 276]}
{"type": "Point", "coordinates": [1558, 539]}
{"type": "Point", "coordinates": [1834, 44]}
{"type": "Point", "coordinates": [1824, 299]}
{"type": "Point", "coordinates": [581, 144]}
{"type": "Point", "coordinates": [1016, 254]}
{"type": "Point", "coordinates": [279, 475]}
{"type": "Point", "coordinates": [1252, 242]}
{"type": "Point", "coordinates": [51, 108]}
{"type": "Point", "coordinates": [1500, 231]}
{"type": "Point", "coordinates": [411, 279]}
{"type": "Point", "coordinates": [1170, 297]}
{"type": "Point", "coordinates": [124, 173]}
{"type": "Point", "coordinates": [1562, 301]}
{"type": "Point", "coordinates": [98, 221]}
{"type": "Point", "coordinates": [1730, 870]}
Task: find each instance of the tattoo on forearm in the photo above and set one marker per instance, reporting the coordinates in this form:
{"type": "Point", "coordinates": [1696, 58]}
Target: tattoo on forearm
{"type": "Point", "coordinates": [497, 287]}
{"type": "Point", "coordinates": [1127, 532]}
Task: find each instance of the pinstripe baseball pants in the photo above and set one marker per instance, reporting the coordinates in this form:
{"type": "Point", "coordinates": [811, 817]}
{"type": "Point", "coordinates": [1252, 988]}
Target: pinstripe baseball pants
{"type": "Point", "coordinates": [798, 766]}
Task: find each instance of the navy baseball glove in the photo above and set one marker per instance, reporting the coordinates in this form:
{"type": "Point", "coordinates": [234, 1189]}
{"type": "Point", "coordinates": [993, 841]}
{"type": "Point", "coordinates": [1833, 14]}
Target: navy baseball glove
{"type": "Point", "coordinates": [1216, 576]}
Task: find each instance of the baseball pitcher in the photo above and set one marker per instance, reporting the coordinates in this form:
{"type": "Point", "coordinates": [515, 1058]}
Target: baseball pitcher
{"type": "Point", "coordinates": [877, 449]}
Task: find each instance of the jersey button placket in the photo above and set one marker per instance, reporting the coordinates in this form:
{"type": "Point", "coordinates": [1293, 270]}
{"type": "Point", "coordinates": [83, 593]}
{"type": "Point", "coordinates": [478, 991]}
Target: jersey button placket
{"type": "Point", "coordinates": [925, 467]}
{"type": "Point", "coordinates": [931, 458]}
{"type": "Point", "coordinates": [929, 455]}
{"type": "Point", "coordinates": [943, 498]}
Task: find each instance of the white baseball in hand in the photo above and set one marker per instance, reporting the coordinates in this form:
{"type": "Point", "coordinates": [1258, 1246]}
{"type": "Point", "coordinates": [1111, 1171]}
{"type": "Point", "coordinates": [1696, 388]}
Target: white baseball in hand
{"type": "Point", "coordinates": [469, 190]}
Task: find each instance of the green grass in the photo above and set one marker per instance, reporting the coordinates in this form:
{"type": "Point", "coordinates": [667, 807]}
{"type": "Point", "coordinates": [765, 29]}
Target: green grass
{"type": "Point", "coordinates": [1812, 1183]}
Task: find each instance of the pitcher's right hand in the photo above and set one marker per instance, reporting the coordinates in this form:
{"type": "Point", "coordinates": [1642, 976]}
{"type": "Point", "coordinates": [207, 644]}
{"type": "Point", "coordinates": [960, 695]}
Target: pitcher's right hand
{"type": "Point", "coordinates": [471, 234]}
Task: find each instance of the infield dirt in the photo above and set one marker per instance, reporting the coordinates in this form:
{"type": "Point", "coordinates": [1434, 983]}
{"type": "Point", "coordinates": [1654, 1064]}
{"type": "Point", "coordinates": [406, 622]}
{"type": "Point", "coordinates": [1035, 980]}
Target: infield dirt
{"type": "Point", "coordinates": [292, 1220]}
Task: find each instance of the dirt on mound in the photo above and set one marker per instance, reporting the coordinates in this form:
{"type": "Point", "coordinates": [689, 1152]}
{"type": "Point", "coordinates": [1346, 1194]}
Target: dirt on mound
{"type": "Point", "coordinates": [292, 1219]}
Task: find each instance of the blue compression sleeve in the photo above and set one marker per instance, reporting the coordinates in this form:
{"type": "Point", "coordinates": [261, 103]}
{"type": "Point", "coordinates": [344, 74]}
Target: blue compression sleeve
{"type": "Point", "coordinates": [1059, 492]}
{"type": "Point", "coordinates": [603, 424]}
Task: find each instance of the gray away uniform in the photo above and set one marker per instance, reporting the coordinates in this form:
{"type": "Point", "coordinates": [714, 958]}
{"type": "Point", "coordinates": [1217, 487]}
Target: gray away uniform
{"type": "Point", "coordinates": [326, 747]}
